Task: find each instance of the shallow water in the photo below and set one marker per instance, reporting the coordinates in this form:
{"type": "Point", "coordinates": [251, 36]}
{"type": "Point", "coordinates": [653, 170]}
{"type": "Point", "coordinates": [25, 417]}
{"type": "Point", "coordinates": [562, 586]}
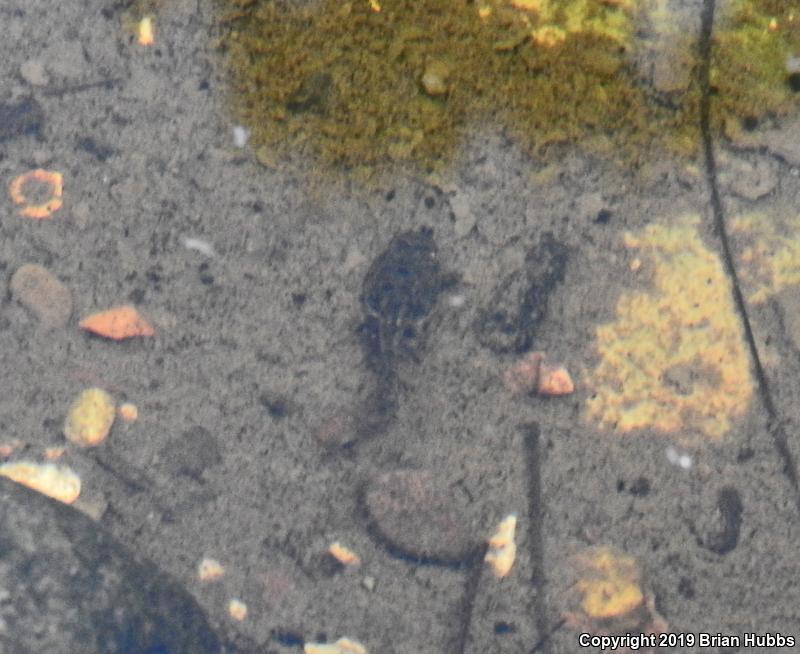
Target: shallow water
{"type": "Point", "coordinates": [310, 381]}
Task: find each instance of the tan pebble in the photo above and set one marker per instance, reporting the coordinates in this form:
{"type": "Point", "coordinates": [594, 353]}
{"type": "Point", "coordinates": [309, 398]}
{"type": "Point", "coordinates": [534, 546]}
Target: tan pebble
{"type": "Point", "coordinates": [210, 570]}
{"type": "Point", "coordinates": [128, 412]}
{"type": "Point", "coordinates": [343, 555]}
{"type": "Point", "coordinates": [434, 79]}
{"type": "Point", "coordinates": [237, 609]}
{"type": "Point", "coordinates": [41, 293]}
{"type": "Point", "coordinates": [502, 549]}
{"type": "Point", "coordinates": [341, 646]}
{"type": "Point", "coordinates": [90, 418]}
{"type": "Point", "coordinates": [58, 482]}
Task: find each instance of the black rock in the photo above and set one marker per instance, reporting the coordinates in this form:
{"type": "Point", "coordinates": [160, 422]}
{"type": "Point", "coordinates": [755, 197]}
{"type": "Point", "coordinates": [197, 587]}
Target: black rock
{"type": "Point", "coordinates": [66, 586]}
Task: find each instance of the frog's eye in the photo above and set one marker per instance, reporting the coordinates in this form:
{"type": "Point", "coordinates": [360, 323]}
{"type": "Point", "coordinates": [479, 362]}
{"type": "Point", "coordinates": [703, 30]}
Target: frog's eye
{"type": "Point", "coordinates": [409, 333]}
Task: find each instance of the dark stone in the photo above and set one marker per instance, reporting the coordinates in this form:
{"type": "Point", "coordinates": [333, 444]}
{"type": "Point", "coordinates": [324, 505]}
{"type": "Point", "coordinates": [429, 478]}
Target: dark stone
{"type": "Point", "coordinates": [70, 587]}
{"type": "Point", "coordinates": [420, 516]}
{"type": "Point", "coordinates": [23, 118]}
{"type": "Point", "coordinates": [519, 302]}
{"type": "Point", "coordinates": [794, 82]}
{"type": "Point", "coordinates": [192, 452]}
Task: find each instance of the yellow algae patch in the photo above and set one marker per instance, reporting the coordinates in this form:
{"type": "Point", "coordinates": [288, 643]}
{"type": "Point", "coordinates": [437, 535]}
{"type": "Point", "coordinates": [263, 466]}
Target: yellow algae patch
{"type": "Point", "coordinates": [609, 583]}
{"type": "Point", "coordinates": [768, 254]}
{"type": "Point", "coordinates": [674, 361]}
{"type": "Point", "coordinates": [58, 482]}
{"type": "Point", "coordinates": [90, 418]}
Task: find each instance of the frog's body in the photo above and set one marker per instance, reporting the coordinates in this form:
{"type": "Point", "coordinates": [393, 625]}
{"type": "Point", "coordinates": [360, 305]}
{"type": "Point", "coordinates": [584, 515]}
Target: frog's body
{"type": "Point", "coordinates": [401, 288]}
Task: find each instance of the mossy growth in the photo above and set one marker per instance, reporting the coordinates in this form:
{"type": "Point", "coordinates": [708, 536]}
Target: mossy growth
{"type": "Point", "coordinates": [753, 40]}
{"type": "Point", "coordinates": [371, 85]}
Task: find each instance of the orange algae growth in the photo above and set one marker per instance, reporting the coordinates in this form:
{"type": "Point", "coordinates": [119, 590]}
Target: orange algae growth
{"type": "Point", "coordinates": [674, 361]}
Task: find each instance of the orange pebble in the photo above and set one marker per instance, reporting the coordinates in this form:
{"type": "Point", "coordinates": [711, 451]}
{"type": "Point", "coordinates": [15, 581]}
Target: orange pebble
{"type": "Point", "coordinates": [118, 323]}
{"type": "Point", "coordinates": [44, 209]}
{"type": "Point", "coordinates": [554, 380]}
{"type": "Point", "coordinates": [128, 412]}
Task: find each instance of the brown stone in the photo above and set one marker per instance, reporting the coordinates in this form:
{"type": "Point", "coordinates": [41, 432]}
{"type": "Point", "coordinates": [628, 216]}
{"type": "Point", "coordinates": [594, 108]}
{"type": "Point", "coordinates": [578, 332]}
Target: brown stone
{"type": "Point", "coordinates": [419, 514]}
{"type": "Point", "coordinates": [39, 291]}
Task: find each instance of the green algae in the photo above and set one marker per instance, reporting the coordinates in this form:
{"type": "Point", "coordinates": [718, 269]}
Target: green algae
{"type": "Point", "coordinates": [350, 85]}
{"type": "Point", "coordinates": [752, 43]}
{"type": "Point", "coordinates": [375, 86]}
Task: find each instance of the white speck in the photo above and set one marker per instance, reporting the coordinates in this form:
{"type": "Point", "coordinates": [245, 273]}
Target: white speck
{"type": "Point", "coordinates": [456, 301]}
{"type": "Point", "coordinates": [240, 136]}
{"type": "Point", "coordinates": [682, 460]}
{"type": "Point", "coordinates": [199, 245]}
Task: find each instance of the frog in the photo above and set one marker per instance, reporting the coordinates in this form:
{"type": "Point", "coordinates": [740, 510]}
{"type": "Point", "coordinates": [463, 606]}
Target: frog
{"type": "Point", "coordinates": [400, 290]}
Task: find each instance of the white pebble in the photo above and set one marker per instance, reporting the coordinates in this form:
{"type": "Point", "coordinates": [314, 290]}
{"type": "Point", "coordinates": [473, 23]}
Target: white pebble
{"type": "Point", "coordinates": [792, 65]}
{"type": "Point", "coordinates": [199, 245]}
{"type": "Point", "coordinates": [240, 136]}
{"type": "Point", "coordinates": [456, 301]}
{"type": "Point", "coordinates": [682, 460]}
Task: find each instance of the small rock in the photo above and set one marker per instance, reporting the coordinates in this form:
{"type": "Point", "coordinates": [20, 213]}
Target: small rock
{"type": "Point", "coordinates": [90, 418]}
{"type": "Point", "coordinates": [420, 515]}
{"type": "Point", "coordinates": [39, 291]}
{"type": "Point", "coordinates": [434, 79]}
{"type": "Point", "coordinates": [33, 73]}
